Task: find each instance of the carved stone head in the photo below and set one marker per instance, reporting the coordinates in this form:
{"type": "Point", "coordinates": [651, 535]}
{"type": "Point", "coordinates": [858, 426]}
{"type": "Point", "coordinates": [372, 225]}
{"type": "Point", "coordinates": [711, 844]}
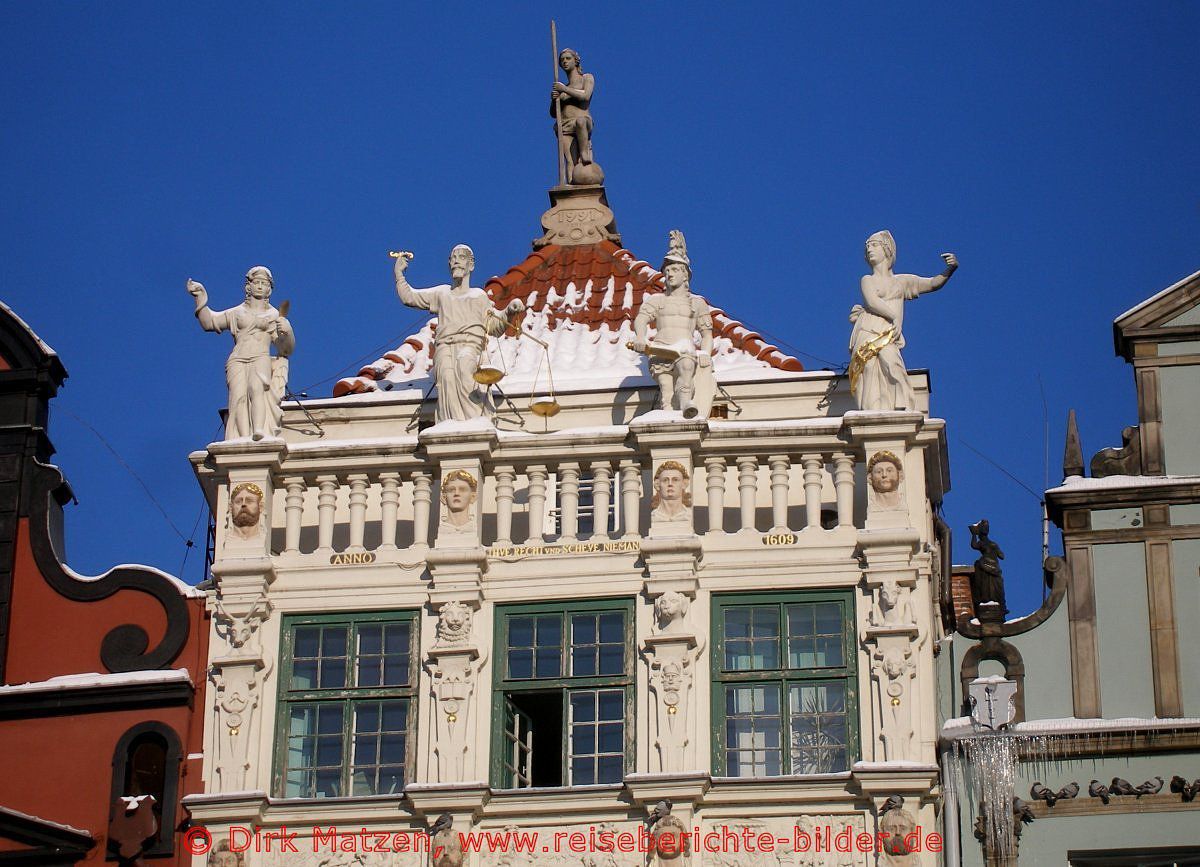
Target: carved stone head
{"type": "Point", "coordinates": [670, 608]}
{"type": "Point", "coordinates": [454, 623]}
{"type": "Point", "coordinates": [569, 59]}
{"type": "Point", "coordinates": [245, 510]}
{"type": "Point", "coordinates": [462, 261]}
{"type": "Point", "coordinates": [222, 856]}
{"type": "Point", "coordinates": [885, 472]}
{"type": "Point", "coordinates": [459, 490]}
{"type": "Point", "coordinates": [880, 248]}
{"type": "Point", "coordinates": [259, 283]}
{"type": "Point", "coordinates": [671, 482]}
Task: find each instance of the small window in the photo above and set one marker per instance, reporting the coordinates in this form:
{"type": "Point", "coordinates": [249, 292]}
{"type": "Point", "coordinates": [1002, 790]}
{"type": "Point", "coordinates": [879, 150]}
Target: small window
{"type": "Point", "coordinates": [146, 762]}
{"type": "Point", "coordinates": [345, 705]}
{"type": "Point", "coordinates": [564, 694]}
{"type": "Point", "coordinates": [784, 684]}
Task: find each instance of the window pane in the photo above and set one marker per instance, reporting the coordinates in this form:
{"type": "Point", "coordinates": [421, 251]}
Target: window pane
{"type": "Point", "coordinates": [752, 638]}
{"type": "Point", "coordinates": [376, 666]}
{"type": "Point", "coordinates": [820, 729]}
{"type": "Point", "coordinates": [308, 639]}
{"type": "Point", "coordinates": [753, 726]}
{"type": "Point", "coordinates": [304, 674]}
{"type": "Point", "coordinates": [314, 751]}
{"type": "Point", "coordinates": [380, 740]}
{"type": "Point", "coordinates": [520, 663]}
{"type": "Point", "coordinates": [333, 641]}
{"type": "Point", "coordinates": [597, 644]}
{"type": "Point", "coordinates": [596, 746]}
{"type": "Point", "coordinates": [370, 640]}
{"type": "Point", "coordinates": [520, 632]}
{"type": "Point", "coordinates": [815, 635]}
{"type": "Point", "coordinates": [333, 673]}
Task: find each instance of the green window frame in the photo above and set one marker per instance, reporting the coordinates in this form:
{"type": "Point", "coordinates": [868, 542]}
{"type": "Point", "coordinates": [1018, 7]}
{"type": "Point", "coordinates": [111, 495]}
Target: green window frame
{"type": "Point", "coordinates": [347, 704]}
{"type": "Point", "coordinates": [784, 684]}
{"type": "Point", "coordinates": [563, 696]}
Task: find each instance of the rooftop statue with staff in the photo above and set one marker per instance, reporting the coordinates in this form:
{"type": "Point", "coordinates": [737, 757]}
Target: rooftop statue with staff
{"type": "Point", "coordinates": [683, 370]}
{"type": "Point", "coordinates": [466, 318]}
{"type": "Point", "coordinates": [257, 381]}
{"type": "Point", "coordinates": [878, 377]}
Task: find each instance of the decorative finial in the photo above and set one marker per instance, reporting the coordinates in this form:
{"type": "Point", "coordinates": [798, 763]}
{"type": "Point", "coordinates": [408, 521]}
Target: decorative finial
{"type": "Point", "coordinates": [676, 250]}
{"type": "Point", "coordinates": [1073, 452]}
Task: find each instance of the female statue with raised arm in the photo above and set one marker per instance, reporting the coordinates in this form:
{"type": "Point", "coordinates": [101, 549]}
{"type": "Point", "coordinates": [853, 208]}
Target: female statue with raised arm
{"type": "Point", "coordinates": [878, 376]}
{"type": "Point", "coordinates": [256, 381]}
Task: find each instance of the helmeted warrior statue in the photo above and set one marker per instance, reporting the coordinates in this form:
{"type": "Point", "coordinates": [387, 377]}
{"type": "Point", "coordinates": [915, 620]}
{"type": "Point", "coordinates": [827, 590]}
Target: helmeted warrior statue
{"type": "Point", "coordinates": [677, 314]}
{"type": "Point", "coordinates": [257, 382]}
{"type": "Point", "coordinates": [878, 377]}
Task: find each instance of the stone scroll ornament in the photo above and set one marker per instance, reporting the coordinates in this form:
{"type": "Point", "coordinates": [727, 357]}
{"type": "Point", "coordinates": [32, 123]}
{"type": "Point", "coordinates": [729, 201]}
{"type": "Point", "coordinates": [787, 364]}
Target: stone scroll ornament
{"type": "Point", "coordinates": [878, 377]}
{"type": "Point", "coordinates": [683, 371]}
{"type": "Point", "coordinates": [466, 318]}
{"type": "Point", "coordinates": [257, 381]}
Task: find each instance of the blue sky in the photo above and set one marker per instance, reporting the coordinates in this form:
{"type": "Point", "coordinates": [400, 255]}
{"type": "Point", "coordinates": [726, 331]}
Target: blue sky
{"type": "Point", "coordinates": [1052, 147]}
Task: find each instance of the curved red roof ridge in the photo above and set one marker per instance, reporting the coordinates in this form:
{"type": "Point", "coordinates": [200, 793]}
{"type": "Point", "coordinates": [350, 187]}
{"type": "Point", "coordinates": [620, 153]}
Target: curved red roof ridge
{"type": "Point", "coordinates": [589, 268]}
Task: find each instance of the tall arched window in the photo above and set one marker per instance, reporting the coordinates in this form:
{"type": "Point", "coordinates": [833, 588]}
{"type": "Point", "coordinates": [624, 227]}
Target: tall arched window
{"type": "Point", "coordinates": [146, 762]}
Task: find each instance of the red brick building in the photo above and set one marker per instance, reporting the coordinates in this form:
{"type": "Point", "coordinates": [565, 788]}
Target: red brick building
{"type": "Point", "coordinates": [102, 677]}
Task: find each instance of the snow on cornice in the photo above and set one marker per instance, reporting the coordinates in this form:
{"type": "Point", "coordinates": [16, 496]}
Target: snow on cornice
{"type": "Point", "coordinates": [92, 680]}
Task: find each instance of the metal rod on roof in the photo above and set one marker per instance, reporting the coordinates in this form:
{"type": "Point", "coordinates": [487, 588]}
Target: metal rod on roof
{"type": "Point", "coordinates": [562, 165]}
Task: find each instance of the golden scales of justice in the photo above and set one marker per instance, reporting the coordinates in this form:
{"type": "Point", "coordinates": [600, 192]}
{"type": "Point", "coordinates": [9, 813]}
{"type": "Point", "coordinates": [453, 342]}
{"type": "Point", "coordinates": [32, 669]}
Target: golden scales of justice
{"type": "Point", "coordinates": [488, 373]}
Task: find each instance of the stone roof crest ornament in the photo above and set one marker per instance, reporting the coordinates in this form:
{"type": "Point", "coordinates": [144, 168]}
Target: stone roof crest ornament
{"type": "Point", "coordinates": [579, 212]}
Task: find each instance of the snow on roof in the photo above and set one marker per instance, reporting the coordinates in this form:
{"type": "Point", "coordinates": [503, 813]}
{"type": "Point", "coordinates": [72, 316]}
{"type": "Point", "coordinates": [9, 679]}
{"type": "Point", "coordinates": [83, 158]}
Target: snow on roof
{"type": "Point", "coordinates": [45, 347]}
{"type": "Point", "coordinates": [1156, 296]}
{"type": "Point", "coordinates": [1074, 725]}
{"type": "Point", "coordinates": [581, 300]}
{"type": "Point", "coordinates": [10, 811]}
{"type": "Point", "coordinates": [67, 682]}
{"type": "Point", "coordinates": [1079, 483]}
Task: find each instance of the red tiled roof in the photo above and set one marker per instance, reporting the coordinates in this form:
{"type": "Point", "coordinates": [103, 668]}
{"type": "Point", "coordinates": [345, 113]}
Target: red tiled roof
{"type": "Point", "coordinates": [547, 273]}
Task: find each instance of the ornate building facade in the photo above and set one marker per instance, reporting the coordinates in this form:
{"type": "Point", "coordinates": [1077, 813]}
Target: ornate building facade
{"type": "Point", "coordinates": [629, 591]}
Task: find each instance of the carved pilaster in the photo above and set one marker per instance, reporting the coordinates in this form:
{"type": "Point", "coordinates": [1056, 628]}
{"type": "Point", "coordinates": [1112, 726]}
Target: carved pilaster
{"type": "Point", "coordinates": [671, 653]}
{"type": "Point", "coordinates": [454, 663]}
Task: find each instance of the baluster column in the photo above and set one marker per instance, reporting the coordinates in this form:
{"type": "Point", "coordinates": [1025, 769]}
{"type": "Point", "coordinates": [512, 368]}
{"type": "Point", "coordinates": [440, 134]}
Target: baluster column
{"type": "Point", "coordinates": [813, 467]}
{"type": "Point", "coordinates": [422, 496]}
{"type": "Point", "coordinates": [779, 492]}
{"type": "Point", "coordinates": [568, 502]}
{"type": "Point", "coordinates": [843, 483]}
{"type": "Point", "coordinates": [631, 494]}
{"type": "Point", "coordinates": [505, 476]}
{"type": "Point", "coordinates": [326, 507]}
{"type": "Point", "coordinates": [537, 503]}
{"type": "Point", "coordinates": [748, 488]}
{"type": "Point", "coordinates": [389, 500]}
{"type": "Point", "coordinates": [293, 510]}
{"type": "Point", "coordinates": [716, 494]}
{"type": "Point", "coordinates": [601, 496]}
{"type": "Point", "coordinates": [358, 509]}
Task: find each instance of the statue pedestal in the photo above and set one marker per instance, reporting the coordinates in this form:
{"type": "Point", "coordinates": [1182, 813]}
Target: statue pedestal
{"type": "Point", "coordinates": [578, 215]}
{"type": "Point", "coordinates": [671, 562]}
